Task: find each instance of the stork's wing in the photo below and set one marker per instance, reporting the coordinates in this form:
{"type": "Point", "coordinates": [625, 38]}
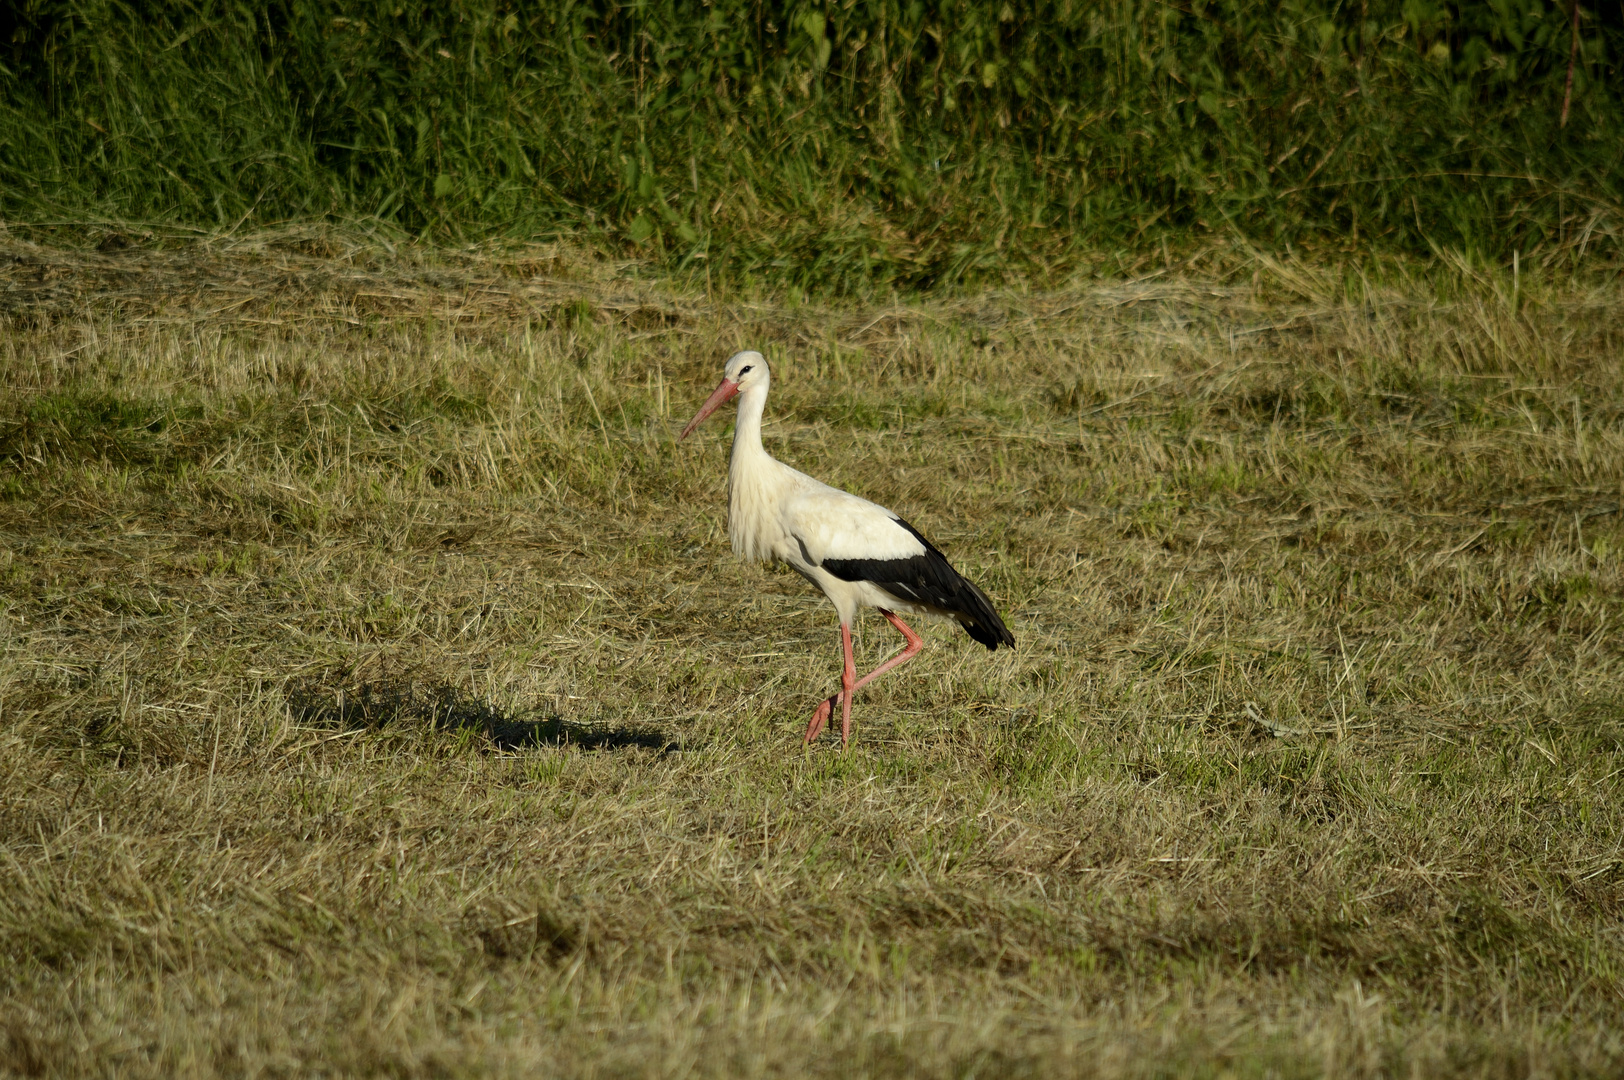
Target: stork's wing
{"type": "Point", "coordinates": [856, 540]}
{"type": "Point", "coordinates": [830, 524]}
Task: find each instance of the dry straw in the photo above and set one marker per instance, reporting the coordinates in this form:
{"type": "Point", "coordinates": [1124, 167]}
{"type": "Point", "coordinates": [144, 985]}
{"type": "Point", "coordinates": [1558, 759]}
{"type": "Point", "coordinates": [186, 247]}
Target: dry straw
{"type": "Point", "coordinates": [377, 693]}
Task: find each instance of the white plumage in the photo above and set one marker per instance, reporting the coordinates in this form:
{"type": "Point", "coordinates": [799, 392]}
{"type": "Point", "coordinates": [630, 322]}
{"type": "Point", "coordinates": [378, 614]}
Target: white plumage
{"type": "Point", "coordinates": [858, 552]}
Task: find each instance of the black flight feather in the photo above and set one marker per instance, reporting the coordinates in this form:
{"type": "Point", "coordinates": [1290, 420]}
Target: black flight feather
{"type": "Point", "coordinates": [928, 578]}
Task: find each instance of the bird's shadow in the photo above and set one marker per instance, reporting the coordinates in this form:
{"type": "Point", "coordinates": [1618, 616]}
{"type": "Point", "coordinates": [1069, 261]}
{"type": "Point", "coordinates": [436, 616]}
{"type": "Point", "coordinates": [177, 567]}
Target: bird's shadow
{"type": "Point", "coordinates": [375, 705]}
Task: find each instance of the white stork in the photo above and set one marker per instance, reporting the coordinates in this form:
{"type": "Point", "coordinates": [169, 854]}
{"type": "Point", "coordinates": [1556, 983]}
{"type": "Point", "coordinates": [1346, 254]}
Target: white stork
{"type": "Point", "coordinates": [859, 553]}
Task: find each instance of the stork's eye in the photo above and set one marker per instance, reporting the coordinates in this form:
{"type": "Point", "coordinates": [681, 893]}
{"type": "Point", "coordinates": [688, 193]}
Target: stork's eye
{"type": "Point", "coordinates": [745, 370]}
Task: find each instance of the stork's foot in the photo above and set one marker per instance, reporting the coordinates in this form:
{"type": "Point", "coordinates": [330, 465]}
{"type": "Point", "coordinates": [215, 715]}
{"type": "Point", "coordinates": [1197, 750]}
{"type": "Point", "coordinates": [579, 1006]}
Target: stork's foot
{"type": "Point", "coordinates": [820, 718]}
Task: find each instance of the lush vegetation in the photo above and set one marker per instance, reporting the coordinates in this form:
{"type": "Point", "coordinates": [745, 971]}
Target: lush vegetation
{"type": "Point", "coordinates": [834, 145]}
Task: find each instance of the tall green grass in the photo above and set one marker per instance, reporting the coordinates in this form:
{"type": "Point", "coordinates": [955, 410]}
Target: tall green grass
{"type": "Point", "coordinates": [833, 146]}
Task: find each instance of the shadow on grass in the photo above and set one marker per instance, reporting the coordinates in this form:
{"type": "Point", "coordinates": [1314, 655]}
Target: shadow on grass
{"type": "Point", "coordinates": [445, 708]}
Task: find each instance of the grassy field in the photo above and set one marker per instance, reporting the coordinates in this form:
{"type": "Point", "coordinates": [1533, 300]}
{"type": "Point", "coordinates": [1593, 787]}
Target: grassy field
{"type": "Point", "coordinates": [378, 694]}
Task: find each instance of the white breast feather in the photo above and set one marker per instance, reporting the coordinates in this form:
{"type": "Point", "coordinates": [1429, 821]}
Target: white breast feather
{"type": "Point", "coordinates": [753, 521]}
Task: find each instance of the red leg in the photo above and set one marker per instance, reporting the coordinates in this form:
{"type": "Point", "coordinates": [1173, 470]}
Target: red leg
{"type": "Point", "coordinates": [911, 650]}
{"type": "Point", "coordinates": [825, 710]}
{"type": "Point", "coordinates": [848, 686]}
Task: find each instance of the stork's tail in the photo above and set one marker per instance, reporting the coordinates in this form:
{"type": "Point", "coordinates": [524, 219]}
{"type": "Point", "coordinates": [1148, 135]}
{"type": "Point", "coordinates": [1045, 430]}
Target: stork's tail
{"type": "Point", "coordinates": [975, 613]}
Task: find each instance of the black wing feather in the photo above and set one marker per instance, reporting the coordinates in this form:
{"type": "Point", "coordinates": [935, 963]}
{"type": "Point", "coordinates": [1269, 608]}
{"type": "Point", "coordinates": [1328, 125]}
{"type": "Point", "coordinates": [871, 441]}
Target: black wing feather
{"type": "Point", "coordinates": [928, 578]}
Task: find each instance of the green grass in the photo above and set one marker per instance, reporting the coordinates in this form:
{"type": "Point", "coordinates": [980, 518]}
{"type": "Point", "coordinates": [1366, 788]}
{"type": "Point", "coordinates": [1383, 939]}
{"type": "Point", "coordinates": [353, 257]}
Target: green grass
{"type": "Point", "coordinates": [856, 149]}
{"type": "Point", "coordinates": [377, 693]}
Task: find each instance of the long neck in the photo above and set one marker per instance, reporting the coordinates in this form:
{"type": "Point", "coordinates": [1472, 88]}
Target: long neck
{"type": "Point", "coordinates": [747, 431]}
{"type": "Point", "coordinates": [751, 477]}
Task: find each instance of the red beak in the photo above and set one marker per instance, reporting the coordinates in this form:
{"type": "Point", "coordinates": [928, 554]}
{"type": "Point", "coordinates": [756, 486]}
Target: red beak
{"type": "Point", "coordinates": [723, 395]}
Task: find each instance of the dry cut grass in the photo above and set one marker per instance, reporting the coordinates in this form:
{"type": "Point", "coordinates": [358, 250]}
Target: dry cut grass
{"type": "Point", "coordinates": [377, 693]}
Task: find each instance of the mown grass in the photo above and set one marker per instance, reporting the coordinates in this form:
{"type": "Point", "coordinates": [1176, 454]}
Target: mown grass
{"type": "Point", "coordinates": [377, 693]}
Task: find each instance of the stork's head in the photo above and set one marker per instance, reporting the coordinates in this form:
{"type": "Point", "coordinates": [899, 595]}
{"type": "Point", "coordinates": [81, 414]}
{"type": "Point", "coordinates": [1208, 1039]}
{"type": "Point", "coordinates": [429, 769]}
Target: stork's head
{"type": "Point", "coordinates": [742, 371]}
